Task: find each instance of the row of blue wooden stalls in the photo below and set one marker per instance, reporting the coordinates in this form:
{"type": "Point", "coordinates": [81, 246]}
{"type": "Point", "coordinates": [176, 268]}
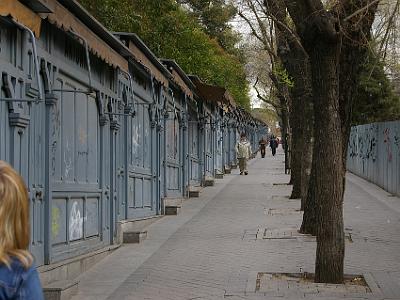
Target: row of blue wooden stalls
{"type": "Point", "coordinates": [101, 130]}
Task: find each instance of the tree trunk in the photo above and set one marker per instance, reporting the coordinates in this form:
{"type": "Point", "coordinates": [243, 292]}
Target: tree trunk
{"type": "Point", "coordinates": [321, 35]}
{"type": "Point", "coordinates": [286, 138]}
{"type": "Point", "coordinates": [328, 162]}
{"type": "Point", "coordinates": [284, 101]}
{"type": "Point", "coordinates": [296, 114]}
{"type": "Point", "coordinates": [310, 220]}
{"type": "Point", "coordinates": [306, 161]}
{"type": "Point", "coordinates": [296, 63]}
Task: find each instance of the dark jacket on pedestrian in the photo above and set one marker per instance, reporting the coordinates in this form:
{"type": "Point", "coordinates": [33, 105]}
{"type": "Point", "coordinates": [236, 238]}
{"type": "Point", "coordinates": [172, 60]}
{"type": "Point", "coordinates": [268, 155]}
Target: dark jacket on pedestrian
{"type": "Point", "coordinates": [273, 143]}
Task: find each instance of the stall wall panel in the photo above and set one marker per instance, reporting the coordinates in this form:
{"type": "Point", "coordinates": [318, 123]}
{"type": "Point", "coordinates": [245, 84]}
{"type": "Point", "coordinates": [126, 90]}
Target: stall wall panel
{"type": "Point", "coordinates": [209, 152]}
{"type": "Point", "coordinates": [173, 156]}
{"type": "Point", "coordinates": [227, 159]}
{"type": "Point", "coordinates": [232, 145]}
{"type": "Point", "coordinates": [141, 181]}
{"type": "Point", "coordinates": [75, 222]}
{"type": "Point", "coordinates": [219, 151]}
{"type": "Point", "coordinates": [36, 178]}
{"type": "Point", "coordinates": [374, 154]}
{"type": "Point", "coordinates": [76, 155]}
{"type": "Point", "coordinates": [76, 219]}
{"type": "Point", "coordinates": [194, 140]}
{"type": "Point", "coordinates": [22, 125]}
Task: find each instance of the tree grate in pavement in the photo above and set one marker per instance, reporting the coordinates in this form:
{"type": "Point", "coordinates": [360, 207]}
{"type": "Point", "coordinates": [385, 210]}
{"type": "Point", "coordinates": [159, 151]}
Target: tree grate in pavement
{"type": "Point", "coordinates": [282, 198]}
{"type": "Point", "coordinates": [282, 211]}
{"type": "Point", "coordinates": [302, 284]}
{"type": "Point", "coordinates": [283, 234]}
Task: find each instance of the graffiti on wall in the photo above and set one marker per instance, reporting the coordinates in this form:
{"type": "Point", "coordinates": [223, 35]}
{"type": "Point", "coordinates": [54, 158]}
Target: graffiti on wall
{"type": "Point", "coordinates": [135, 142]}
{"type": "Point", "coordinates": [373, 154]}
{"type": "Point", "coordinates": [75, 222]}
{"type": "Point", "coordinates": [363, 144]}
{"type": "Point", "coordinates": [388, 144]}
{"type": "Point", "coordinates": [397, 141]}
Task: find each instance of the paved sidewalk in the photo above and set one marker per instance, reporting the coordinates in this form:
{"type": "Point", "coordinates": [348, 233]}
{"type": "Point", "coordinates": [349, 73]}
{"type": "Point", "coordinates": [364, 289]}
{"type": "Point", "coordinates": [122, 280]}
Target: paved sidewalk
{"type": "Point", "coordinates": [222, 243]}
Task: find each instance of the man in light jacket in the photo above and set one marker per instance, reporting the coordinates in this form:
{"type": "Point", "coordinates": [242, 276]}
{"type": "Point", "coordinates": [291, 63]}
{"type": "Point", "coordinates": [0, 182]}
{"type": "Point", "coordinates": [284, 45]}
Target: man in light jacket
{"type": "Point", "coordinates": [243, 151]}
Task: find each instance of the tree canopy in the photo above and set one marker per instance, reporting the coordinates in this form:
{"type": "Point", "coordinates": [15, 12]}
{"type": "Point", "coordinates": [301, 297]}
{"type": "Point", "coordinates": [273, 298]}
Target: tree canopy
{"type": "Point", "coordinates": [174, 32]}
{"type": "Point", "coordinates": [376, 100]}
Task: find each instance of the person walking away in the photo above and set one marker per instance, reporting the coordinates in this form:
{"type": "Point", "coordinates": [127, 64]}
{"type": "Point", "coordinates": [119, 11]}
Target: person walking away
{"type": "Point", "coordinates": [263, 145]}
{"type": "Point", "coordinates": [243, 151]}
{"type": "Point", "coordinates": [19, 279]}
{"type": "Point", "coordinates": [273, 143]}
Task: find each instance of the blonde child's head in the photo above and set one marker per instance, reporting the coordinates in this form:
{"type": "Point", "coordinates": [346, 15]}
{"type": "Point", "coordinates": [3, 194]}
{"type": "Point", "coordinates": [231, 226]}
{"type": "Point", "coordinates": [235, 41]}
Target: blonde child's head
{"type": "Point", "coordinates": [14, 217]}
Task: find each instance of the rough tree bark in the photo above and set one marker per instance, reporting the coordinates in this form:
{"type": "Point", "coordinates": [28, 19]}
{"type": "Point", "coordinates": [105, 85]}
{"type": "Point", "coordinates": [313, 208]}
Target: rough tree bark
{"type": "Point", "coordinates": [332, 66]}
{"type": "Point", "coordinates": [284, 100]}
{"type": "Point", "coordinates": [306, 160]}
{"type": "Point", "coordinates": [296, 62]}
{"type": "Point", "coordinates": [296, 114]}
{"type": "Point", "coordinates": [320, 34]}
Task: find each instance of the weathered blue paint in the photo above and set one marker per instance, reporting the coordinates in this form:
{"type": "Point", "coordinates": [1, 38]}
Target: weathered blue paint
{"type": "Point", "coordinates": [208, 141]}
{"type": "Point", "coordinates": [88, 161]}
{"type": "Point", "coordinates": [194, 146]}
{"type": "Point", "coordinates": [219, 142]}
{"type": "Point", "coordinates": [374, 154]}
{"type": "Point", "coordinates": [22, 138]}
{"type": "Point", "coordinates": [173, 136]}
{"type": "Point", "coordinates": [142, 173]}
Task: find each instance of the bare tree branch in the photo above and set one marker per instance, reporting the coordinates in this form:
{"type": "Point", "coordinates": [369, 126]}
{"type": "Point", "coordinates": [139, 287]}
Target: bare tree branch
{"type": "Point", "coordinates": [360, 10]}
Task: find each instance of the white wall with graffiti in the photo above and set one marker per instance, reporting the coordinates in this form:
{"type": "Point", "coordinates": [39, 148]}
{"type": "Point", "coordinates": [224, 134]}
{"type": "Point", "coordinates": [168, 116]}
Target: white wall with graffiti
{"type": "Point", "coordinates": [374, 154]}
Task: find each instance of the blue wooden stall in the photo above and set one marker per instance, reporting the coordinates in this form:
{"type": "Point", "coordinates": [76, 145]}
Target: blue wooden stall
{"type": "Point", "coordinates": [150, 158]}
{"type": "Point", "coordinates": [218, 103]}
{"type": "Point", "coordinates": [177, 164]}
{"type": "Point", "coordinates": [61, 141]}
{"type": "Point", "coordinates": [101, 130]}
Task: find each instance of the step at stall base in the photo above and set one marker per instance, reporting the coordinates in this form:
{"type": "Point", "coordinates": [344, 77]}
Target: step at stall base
{"type": "Point", "coordinates": [172, 210]}
{"type": "Point", "coordinates": [219, 176]}
{"type": "Point", "coordinates": [172, 206]}
{"type": "Point", "coordinates": [194, 193]}
{"type": "Point", "coordinates": [60, 290]}
{"type": "Point", "coordinates": [227, 170]}
{"type": "Point", "coordinates": [134, 237]}
{"type": "Point", "coordinates": [133, 225]}
{"type": "Point", "coordinates": [209, 181]}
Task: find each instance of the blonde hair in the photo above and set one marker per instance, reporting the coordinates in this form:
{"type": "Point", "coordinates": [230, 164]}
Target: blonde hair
{"type": "Point", "coordinates": [14, 217]}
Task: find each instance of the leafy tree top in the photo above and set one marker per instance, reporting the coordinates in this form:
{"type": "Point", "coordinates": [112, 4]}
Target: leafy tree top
{"type": "Point", "coordinates": [173, 32]}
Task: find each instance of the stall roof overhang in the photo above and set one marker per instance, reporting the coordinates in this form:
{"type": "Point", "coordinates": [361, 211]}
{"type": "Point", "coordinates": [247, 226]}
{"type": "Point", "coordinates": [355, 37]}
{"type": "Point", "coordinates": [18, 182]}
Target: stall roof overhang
{"type": "Point", "coordinates": [135, 39]}
{"type": "Point", "coordinates": [21, 14]}
{"type": "Point", "coordinates": [86, 18]}
{"type": "Point", "coordinates": [185, 83]}
{"type": "Point", "coordinates": [39, 6]}
{"type": "Point", "coordinates": [212, 92]}
{"type": "Point", "coordinates": [172, 63]}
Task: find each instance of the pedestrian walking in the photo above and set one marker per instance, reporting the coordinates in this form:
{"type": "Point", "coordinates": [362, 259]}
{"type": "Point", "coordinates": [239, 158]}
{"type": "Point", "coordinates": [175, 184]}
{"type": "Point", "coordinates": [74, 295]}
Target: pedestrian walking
{"type": "Point", "coordinates": [263, 145]}
{"type": "Point", "coordinates": [19, 279]}
{"type": "Point", "coordinates": [243, 151]}
{"type": "Point", "coordinates": [273, 143]}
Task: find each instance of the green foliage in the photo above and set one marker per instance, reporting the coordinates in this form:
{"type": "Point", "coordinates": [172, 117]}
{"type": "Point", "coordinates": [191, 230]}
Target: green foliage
{"type": "Point", "coordinates": [267, 115]}
{"type": "Point", "coordinates": [174, 33]}
{"type": "Point", "coordinates": [214, 17]}
{"type": "Point", "coordinates": [376, 100]}
{"type": "Point", "coordinates": [283, 76]}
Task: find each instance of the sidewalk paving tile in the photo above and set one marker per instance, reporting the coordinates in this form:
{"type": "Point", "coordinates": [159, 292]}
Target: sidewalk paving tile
{"type": "Point", "coordinates": [217, 246]}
